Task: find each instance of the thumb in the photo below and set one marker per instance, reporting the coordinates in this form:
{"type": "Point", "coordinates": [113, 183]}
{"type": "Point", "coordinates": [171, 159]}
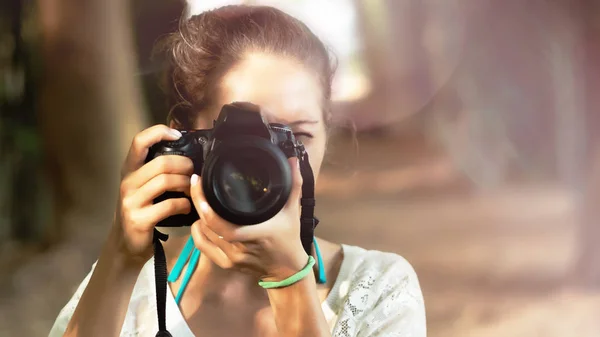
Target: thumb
{"type": "Point", "coordinates": [297, 181]}
{"type": "Point", "coordinates": [197, 194]}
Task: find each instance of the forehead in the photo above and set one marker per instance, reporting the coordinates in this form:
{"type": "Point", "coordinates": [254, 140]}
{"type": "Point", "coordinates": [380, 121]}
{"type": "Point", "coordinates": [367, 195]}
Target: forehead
{"type": "Point", "coordinates": [284, 89]}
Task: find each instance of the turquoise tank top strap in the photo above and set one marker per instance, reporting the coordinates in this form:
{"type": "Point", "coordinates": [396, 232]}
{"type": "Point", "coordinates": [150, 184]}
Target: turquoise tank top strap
{"type": "Point", "coordinates": [181, 260]}
{"type": "Point", "coordinates": [188, 274]}
{"type": "Point", "coordinates": [322, 277]}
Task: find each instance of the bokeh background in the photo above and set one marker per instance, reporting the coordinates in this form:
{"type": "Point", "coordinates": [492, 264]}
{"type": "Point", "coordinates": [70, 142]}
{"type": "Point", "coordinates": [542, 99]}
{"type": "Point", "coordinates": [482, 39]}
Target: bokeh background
{"type": "Point", "coordinates": [466, 141]}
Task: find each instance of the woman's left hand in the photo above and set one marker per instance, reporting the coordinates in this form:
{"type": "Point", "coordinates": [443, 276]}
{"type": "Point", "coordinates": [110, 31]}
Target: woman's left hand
{"type": "Point", "coordinates": [271, 250]}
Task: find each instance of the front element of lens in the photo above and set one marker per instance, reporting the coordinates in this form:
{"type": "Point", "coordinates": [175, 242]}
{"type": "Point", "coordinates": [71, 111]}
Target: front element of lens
{"type": "Point", "coordinates": [244, 180]}
{"type": "Point", "coordinates": [247, 180]}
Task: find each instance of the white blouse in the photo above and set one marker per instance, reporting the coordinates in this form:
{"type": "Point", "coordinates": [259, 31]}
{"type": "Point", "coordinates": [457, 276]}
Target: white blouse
{"type": "Point", "coordinates": [376, 294]}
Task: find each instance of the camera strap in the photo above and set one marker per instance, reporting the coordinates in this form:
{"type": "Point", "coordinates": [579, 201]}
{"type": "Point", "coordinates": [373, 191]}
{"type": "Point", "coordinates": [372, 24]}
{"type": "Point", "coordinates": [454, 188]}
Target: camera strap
{"type": "Point", "coordinates": [160, 278]}
{"type": "Point", "coordinates": [308, 223]}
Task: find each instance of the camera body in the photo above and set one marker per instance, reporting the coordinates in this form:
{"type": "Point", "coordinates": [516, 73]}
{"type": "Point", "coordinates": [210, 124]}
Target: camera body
{"type": "Point", "coordinates": [242, 162]}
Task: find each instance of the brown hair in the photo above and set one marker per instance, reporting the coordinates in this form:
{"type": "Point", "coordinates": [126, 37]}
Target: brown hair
{"type": "Point", "coordinates": [209, 44]}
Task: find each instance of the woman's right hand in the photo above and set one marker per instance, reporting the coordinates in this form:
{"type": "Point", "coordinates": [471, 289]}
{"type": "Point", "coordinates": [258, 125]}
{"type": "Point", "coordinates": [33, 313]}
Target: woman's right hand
{"type": "Point", "coordinates": [141, 183]}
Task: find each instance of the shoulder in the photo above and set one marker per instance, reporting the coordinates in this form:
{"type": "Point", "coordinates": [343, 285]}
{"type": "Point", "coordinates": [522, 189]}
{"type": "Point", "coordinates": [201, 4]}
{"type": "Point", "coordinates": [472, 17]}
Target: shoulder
{"type": "Point", "coordinates": [380, 273]}
{"type": "Point", "coordinates": [379, 294]}
{"type": "Point", "coordinates": [377, 263]}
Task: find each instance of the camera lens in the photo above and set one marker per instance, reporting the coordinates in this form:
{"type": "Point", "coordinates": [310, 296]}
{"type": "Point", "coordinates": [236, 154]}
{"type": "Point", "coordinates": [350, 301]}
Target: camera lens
{"type": "Point", "coordinates": [244, 181]}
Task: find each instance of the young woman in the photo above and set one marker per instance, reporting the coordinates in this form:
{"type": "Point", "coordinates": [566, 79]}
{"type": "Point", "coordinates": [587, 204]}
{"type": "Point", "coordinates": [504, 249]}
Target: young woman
{"type": "Point", "coordinates": [232, 54]}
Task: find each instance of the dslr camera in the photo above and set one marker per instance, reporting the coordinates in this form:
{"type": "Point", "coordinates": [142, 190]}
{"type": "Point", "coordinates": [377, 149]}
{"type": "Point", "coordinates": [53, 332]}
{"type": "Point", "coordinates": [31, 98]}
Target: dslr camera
{"type": "Point", "coordinates": [243, 164]}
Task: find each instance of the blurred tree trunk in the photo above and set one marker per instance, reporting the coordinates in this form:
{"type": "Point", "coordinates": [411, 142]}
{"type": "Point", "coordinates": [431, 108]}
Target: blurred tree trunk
{"type": "Point", "coordinates": [90, 105]}
{"type": "Point", "coordinates": [466, 111]}
{"type": "Point", "coordinates": [153, 20]}
{"type": "Point", "coordinates": [392, 33]}
{"type": "Point", "coordinates": [567, 67]}
{"type": "Point", "coordinates": [588, 267]}
{"type": "Point", "coordinates": [374, 27]}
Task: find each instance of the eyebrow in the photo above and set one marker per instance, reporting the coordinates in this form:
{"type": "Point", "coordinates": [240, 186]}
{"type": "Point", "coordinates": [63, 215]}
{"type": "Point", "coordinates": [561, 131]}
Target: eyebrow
{"type": "Point", "coordinates": [300, 122]}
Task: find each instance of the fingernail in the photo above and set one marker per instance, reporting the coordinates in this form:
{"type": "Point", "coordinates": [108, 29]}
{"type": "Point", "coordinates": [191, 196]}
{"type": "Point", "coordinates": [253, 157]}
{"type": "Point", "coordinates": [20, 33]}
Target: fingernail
{"type": "Point", "coordinates": [194, 179]}
{"type": "Point", "coordinates": [175, 133]}
{"type": "Point", "coordinates": [203, 207]}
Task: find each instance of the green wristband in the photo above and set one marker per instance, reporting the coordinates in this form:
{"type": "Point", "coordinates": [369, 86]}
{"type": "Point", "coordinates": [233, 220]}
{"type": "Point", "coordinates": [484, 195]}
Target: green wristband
{"type": "Point", "coordinates": [292, 279]}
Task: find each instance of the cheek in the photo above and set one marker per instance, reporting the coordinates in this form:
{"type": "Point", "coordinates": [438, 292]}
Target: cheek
{"type": "Point", "coordinates": [316, 151]}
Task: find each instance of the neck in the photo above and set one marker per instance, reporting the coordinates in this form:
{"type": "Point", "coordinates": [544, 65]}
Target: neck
{"type": "Point", "coordinates": [226, 281]}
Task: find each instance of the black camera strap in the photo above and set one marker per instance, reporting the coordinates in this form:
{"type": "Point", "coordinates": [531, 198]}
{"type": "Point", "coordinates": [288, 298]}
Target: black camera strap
{"type": "Point", "coordinates": [160, 278]}
{"type": "Point", "coordinates": [308, 223]}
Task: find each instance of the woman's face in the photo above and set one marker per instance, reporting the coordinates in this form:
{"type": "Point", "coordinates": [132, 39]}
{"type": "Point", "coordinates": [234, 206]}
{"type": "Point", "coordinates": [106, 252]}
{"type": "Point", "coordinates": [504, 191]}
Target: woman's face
{"type": "Point", "coordinates": [286, 92]}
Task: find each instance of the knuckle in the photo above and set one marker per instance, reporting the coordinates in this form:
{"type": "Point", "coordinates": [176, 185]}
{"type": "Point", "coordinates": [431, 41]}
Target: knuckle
{"type": "Point", "coordinates": [137, 141]}
{"type": "Point", "coordinates": [182, 164]}
{"type": "Point", "coordinates": [230, 237]}
{"type": "Point", "coordinates": [184, 203]}
{"type": "Point", "coordinates": [170, 205]}
{"type": "Point", "coordinates": [202, 225]}
{"type": "Point", "coordinates": [163, 180]}
{"type": "Point", "coordinates": [176, 205]}
{"type": "Point", "coordinates": [160, 127]}
{"type": "Point", "coordinates": [124, 188]}
{"type": "Point", "coordinates": [238, 258]}
{"type": "Point", "coordinates": [127, 216]}
{"type": "Point", "coordinates": [187, 205]}
{"type": "Point", "coordinates": [127, 203]}
{"type": "Point", "coordinates": [298, 184]}
{"type": "Point", "coordinates": [135, 220]}
{"type": "Point", "coordinates": [189, 164]}
{"type": "Point", "coordinates": [228, 264]}
{"type": "Point", "coordinates": [197, 223]}
{"type": "Point", "coordinates": [164, 163]}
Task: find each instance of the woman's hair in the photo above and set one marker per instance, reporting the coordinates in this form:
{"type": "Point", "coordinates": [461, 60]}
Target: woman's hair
{"type": "Point", "coordinates": [211, 43]}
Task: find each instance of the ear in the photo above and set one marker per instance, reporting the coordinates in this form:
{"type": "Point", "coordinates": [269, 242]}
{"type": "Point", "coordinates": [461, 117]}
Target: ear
{"type": "Point", "coordinates": [174, 125]}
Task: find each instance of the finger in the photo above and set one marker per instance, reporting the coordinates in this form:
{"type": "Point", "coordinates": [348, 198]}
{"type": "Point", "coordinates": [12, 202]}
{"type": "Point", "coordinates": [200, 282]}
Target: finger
{"type": "Point", "coordinates": [246, 234]}
{"type": "Point", "coordinates": [213, 220]}
{"type": "Point", "coordinates": [148, 217]}
{"type": "Point", "coordinates": [230, 232]}
{"type": "Point", "coordinates": [207, 247]}
{"type": "Point", "coordinates": [296, 193]}
{"type": "Point", "coordinates": [199, 199]}
{"type": "Point", "coordinates": [196, 191]}
{"type": "Point", "coordinates": [170, 164]}
{"type": "Point", "coordinates": [158, 185]}
{"type": "Point", "coordinates": [229, 249]}
{"type": "Point", "coordinates": [236, 252]}
{"type": "Point", "coordinates": [143, 141]}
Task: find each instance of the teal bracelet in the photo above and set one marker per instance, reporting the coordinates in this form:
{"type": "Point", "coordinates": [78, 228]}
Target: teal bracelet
{"type": "Point", "coordinates": [292, 279]}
